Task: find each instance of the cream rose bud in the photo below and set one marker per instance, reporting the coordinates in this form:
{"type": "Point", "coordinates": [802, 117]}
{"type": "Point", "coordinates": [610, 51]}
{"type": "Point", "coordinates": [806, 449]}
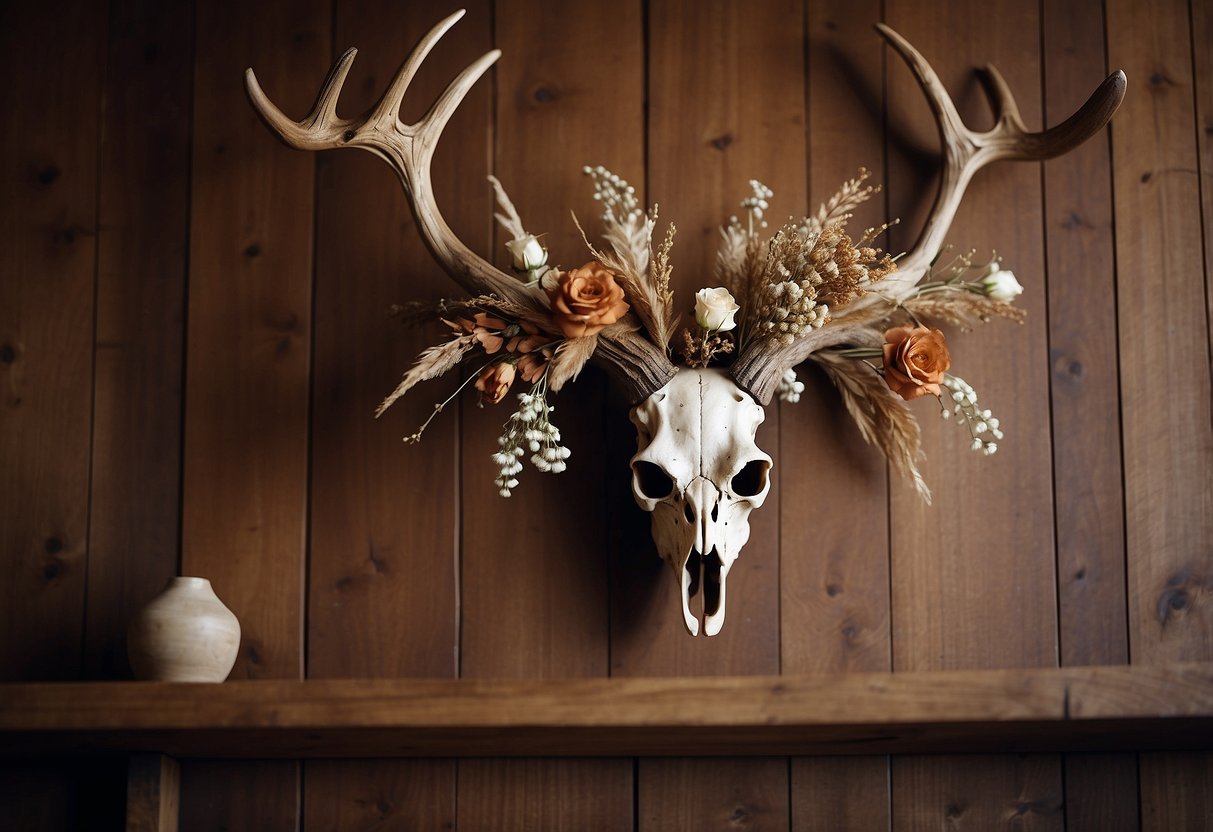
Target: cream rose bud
{"type": "Point", "coordinates": [714, 309]}
{"type": "Point", "coordinates": [528, 253]}
{"type": "Point", "coordinates": [1001, 284]}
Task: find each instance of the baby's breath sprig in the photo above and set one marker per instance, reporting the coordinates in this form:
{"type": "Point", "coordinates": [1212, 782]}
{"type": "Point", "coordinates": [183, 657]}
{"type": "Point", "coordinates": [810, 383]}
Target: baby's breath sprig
{"type": "Point", "coordinates": [530, 428]}
{"type": "Point", "coordinates": [789, 388]}
{"type": "Point", "coordinates": [618, 198]}
{"type": "Point", "coordinates": [962, 401]}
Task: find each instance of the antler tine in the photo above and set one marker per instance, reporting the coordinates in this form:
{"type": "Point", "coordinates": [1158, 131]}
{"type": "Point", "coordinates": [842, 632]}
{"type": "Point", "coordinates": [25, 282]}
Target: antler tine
{"type": "Point", "coordinates": [388, 106]}
{"type": "Point", "coordinates": [636, 363]}
{"type": "Point", "coordinates": [321, 128]}
{"type": "Point", "coordinates": [965, 151]}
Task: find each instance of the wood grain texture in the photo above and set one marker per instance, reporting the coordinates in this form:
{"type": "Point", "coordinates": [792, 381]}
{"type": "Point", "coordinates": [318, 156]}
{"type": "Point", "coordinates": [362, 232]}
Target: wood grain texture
{"type": "Point", "coordinates": [349, 795]}
{"type": "Point", "coordinates": [831, 793]}
{"type": "Point", "coordinates": [834, 574]}
{"type": "Point", "coordinates": [49, 217]}
{"type": "Point", "coordinates": [569, 795]}
{"type": "Point", "coordinates": [717, 118]}
{"type": "Point", "coordinates": [972, 577]}
{"type": "Point", "coordinates": [726, 105]}
{"type": "Point", "coordinates": [239, 796]}
{"type": "Point", "coordinates": [1176, 791]}
{"type": "Point", "coordinates": [134, 526]}
{"type": "Point", "coordinates": [247, 363]}
{"type": "Point", "coordinates": [986, 792]}
{"type": "Point", "coordinates": [1168, 450]}
{"type": "Point", "coordinates": [1101, 792]}
{"type": "Point", "coordinates": [1082, 352]}
{"type": "Point", "coordinates": [153, 793]}
{"type": "Point", "coordinates": [246, 411]}
{"type": "Point", "coordinates": [534, 580]}
{"type": "Point", "coordinates": [1099, 707]}
{"type": "Point", "coordinates": [384, 516]}
{"type": "Point", "coordinates": [973, 581]}
{"type": "Point", "coordinates": [713, 794]}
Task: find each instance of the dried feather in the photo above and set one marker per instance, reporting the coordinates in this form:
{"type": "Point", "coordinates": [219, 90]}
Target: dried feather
{"type": "Point", "coordinates": [882, 417]}
{"type": "Point", "coordinates": [570, 358]}
{"type": "Point", "coordinates": [654, 311]}
{"type": "Point", "coordinates": [430, 364]}
{"type": "Point", "coordinates": [509, 220]}
{"type": "Point", "coordinates": [962, 308]}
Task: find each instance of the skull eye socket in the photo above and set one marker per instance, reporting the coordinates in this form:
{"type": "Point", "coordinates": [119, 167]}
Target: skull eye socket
{"type": "Point", "coordinates": [751, 479]}
{"type": "Point", "coordinates": [651, 481]}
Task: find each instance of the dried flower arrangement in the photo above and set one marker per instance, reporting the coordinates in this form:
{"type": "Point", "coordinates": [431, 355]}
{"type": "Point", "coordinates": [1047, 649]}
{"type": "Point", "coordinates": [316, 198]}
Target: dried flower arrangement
{"type": "Point", "coordinates": [790, 284]}
{"type": "Point", "coordinates": [808, 292]}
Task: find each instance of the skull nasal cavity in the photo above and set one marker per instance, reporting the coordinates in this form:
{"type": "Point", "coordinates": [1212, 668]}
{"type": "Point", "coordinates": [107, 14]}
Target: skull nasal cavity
{"type": "Point", "coordinates": [750, 480]}
{"type": "Point", "coordinates": [652, 481]}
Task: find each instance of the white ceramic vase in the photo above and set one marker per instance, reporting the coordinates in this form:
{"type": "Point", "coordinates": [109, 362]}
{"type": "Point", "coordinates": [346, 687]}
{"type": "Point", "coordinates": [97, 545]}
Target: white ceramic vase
{"type": "Point", "coordinates": [185, 634]}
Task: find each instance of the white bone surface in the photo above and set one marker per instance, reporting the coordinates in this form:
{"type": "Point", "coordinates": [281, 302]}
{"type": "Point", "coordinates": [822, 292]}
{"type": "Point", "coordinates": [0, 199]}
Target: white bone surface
{"type": "Point", "coordinates": [699, 432]}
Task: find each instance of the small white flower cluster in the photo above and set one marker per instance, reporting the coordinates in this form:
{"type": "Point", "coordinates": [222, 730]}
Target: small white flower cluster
{"type": "Point", "coordinates": [788, 310]}
{"type": "Point", "coordinates": [530, 428]}
{"type": "Point", "coordinates": [789, 389]}
{"type": "Point", "coordinates": [618, 198]}
{"type": "Point", "coordinates": [756, 204]}
{"type": "Point", "coordinates": [964, 405]}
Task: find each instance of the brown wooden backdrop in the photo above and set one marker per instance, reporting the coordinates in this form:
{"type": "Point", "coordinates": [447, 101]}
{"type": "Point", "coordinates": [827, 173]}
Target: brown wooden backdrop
{"type": "Point", "coordinates": [192, 340]}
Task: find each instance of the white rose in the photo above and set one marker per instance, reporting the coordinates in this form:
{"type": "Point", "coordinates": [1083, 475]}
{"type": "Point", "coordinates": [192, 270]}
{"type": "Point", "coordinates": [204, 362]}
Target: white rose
{"type": "Point", "coordinates": [528, 253]}
{"type": "Point", "coordinates": [1001, 284]}
{"type": "Point", "coordinates": [714, 309]}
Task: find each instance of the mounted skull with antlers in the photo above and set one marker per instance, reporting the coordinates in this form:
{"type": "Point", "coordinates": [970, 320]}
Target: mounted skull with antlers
{"type": "Point", "coordinates": [810, 292]}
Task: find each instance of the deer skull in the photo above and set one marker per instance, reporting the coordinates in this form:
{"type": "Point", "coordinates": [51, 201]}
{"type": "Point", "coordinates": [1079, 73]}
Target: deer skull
{"type": "Point", "coordinates": [699, 473]}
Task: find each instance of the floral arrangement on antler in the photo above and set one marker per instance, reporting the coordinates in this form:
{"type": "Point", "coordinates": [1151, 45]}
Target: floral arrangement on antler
{"type": "Point", "coordinates": [790, 284]}
{"type": "Point", "coordinates": [808, 291]}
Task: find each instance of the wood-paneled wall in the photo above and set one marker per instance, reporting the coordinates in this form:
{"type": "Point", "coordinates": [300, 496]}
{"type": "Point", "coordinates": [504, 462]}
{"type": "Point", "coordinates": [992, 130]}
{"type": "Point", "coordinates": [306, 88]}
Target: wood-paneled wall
{"type": "Point", "coordinates": [192, 340]}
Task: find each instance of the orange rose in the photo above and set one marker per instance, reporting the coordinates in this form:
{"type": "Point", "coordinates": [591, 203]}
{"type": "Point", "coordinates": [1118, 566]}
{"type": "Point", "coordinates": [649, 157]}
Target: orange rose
{"type": "Point", "coordinates": [915, 360]}
{"type": "Point", "coordinates": [494, 382]}
{"type": "Point", "coordinates": [585, 300]}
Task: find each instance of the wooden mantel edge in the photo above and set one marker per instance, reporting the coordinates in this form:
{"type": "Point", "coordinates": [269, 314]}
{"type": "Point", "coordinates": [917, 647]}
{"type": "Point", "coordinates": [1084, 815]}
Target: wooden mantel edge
{"type": "Point", "coordinates": [1026, 709]}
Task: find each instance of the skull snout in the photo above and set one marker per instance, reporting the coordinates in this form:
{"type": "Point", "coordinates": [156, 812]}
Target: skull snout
{"type": "Point", "coordinates": [704, 567]}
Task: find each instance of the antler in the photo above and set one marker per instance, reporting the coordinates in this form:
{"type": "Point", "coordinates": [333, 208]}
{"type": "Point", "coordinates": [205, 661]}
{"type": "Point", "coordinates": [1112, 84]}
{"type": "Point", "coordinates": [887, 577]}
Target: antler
{"type": "Point", "coordinates": [760, 367]}
{"type": "Point", "coordinates": [636, 364]}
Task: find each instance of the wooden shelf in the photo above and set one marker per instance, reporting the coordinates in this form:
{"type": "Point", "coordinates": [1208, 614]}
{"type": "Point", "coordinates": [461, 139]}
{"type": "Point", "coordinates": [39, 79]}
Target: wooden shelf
{"type": "Point", "coordinates": [1094, 708]}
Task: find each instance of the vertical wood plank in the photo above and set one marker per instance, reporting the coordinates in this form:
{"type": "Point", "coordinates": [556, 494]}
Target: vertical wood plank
{"type": "Point", "coordinates": [832, 793]}
{"type": "Point", "coordinates": [1101, 790]}
{"type": "Point", "coordinates": [1176, 791]}
{"type": "Point", "coordinates": [1202, 44]}
{"type": "Point", "coordinates": [726, 105]}
{"type": "Point", "coordinates": [1164, 351]}
{"type": "Point", "coordinates": [834, 572]}
{"type": "Point", "coordinates": [565, 794]}
{"type": "Point", "coordinates": [973, 575]}
{"type": "Point", "coordinates": [47, 262]}
{"type": "Point", "coordinates": [534, 587]}
{"type": "Point", "coordinates": [712, 794]}
{"type": "Point", "coordinates": [1101, 793]}
{"type": "Point", "coordinates": [348, 795]}
{"type": "Point", "coordinates": [239, 796]}
{"type": "Point", "coordinates": [134, 525]}
{"type": "Point", "coordinates": [384, 516]}
{"type": "Point", "coordinates": [153, 793]}
{"type": "Point", "coordinates": [984, 792]}
{"type": "Point", "coordinates": [247, 357]}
